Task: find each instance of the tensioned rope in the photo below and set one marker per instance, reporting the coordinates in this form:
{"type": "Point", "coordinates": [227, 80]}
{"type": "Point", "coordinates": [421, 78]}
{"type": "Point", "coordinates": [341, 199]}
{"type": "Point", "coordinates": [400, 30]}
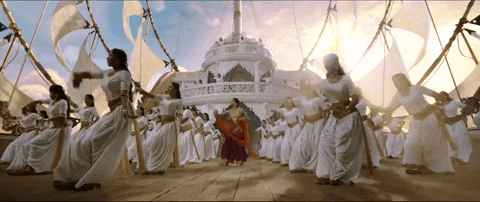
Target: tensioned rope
{"type": "Point", "coordinates": [319, 36]}
{"type": "Point", "coordinates": [296, 28]}
{"type": "Point", "coordinates": [445, 55]}
{"type": "Point", "coordinates": [26, 54]}
{"type": "Point", "coordinates": [460, 50]}
{"type": "Point", "coordinates": [179, 28]}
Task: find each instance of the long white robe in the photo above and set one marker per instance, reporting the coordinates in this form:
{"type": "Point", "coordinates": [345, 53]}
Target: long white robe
{"type": "Point", "coordinates": [29, 122]}
{"type": "Point", "coordinates": [372, 146]}
{"type": "Point", "coordinates": [210, 152]}
{"type": "Point", "coordinates": [459, 133]}
{"type": "Point", "coordinates": [394, 144]}
{"type": "Point", "coordinates": [39, 152]}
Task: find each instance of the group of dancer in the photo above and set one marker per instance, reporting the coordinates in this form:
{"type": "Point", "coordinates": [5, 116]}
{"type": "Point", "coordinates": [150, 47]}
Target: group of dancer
{"type": "Point", "coordinates": [326, 132]}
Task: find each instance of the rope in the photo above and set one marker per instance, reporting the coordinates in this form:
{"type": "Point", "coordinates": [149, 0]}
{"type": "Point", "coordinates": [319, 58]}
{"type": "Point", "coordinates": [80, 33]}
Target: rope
{"type": "Point", "coordinates": [319, 36]}
{"type": "Point", "coordinates": [257, 24]}
{"type": "Point", "coordinates": [26, 55]}
{"type": "Point", "coordinates": [90, 55]}
{"type": "Point", "coordinates": [380, 28]}
{"type": "Point", "coordinates": [15, 56]}
{"type": "Point", "coordinates": [460, 50]}
{"type": "Point", "coordinates": [446, 59]}
{"type": "Point", "coordinates": [96, 27]}
{"type": "Point", "coordinates": [179, 29]}
{"type": "Point", "coordinates": [296, 28]}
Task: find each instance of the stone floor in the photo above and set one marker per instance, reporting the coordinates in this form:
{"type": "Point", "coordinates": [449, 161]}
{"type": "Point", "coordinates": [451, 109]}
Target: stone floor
{"type": "Point", "coordinates": [256, 180]}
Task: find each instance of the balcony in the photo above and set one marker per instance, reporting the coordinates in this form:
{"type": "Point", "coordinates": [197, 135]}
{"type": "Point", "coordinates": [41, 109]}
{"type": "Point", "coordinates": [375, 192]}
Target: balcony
{"type": "Point", "coordinates": [245, 91]}
{"type": "Point", "coordinates": [238, 51]}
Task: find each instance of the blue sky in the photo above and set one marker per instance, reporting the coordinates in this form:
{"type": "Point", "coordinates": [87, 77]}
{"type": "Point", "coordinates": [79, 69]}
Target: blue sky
{"type": "Point", "coordinates": [203, 22]}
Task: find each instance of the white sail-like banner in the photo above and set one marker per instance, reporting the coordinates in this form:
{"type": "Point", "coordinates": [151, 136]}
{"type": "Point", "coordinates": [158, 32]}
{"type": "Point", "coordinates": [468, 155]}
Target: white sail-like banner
{"type": "Point", "coordinates": [85, 63]}
{"type": "Point", "coordinates": [468, 86]}
{"type": "Point", "coordinates": [144, 64]}
{"type": "Point", "coordinates": [371, 84]}
{"type": "Point", "coordinates": [65, 19]}
{"type": "Point", "coordinates": [349, 7]}
{"type": "Point", "coordinates": [414, 17]}
{"type": "Point", "coordinates": [130, 8]}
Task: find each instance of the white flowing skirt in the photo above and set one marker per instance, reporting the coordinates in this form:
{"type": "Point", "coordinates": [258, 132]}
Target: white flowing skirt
{"type": "Point", "coordinates": [13, 147]}
{"type": "Point", "coordinates": [291, 135]}
{"type": "Point", "coordinates": [372, 145]}
{"type": "Point", "coordinates": [210, 152]}
{"type": "Point", "coordinates": [426, 145]}
{"type": "Point", "coordinates": [270, 143]}
{"type": "Point", "coordinates": [304, 149]}
{"type": "Point", "coordinates": [461, 138]}
{"type": "Point", "coordinates": [40, 151]}
{"type": "Point", "coordinates": [277, 149]}
{"type": "Point", "coordinates": [200, 144]}
{"type": "Point", "coordinates": [263, 149]}
{"type": "Point", "coordinates": [184, 146]}
{"type": "Point", "coordinates": [341, 149]}
{"type": "Point", "coordinates": [95, 154]}
{"type": "Point", "coordinates": [394, 144]}
{"type": "Point", "coordinates": [159, 147]}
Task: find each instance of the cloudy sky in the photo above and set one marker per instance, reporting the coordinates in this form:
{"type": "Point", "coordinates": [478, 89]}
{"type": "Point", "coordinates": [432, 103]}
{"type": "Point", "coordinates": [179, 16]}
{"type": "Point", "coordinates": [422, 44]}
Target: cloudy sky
{"type": "Point", "coordinates": [189, 28]}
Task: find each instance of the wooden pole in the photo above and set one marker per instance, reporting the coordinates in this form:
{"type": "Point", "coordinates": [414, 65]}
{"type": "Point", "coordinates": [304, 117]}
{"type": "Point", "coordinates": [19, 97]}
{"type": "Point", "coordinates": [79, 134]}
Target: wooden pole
{"type": "Point", "coordinates": [4, 64]}
{"type": "Point", "coordinates": [174, 66]}
{"type": "Point", "coordinates": [19, 35]}
{"type": "Point", "coordinates": [458, 29]}
{"type": "Point", "coordinates": [96, 27]}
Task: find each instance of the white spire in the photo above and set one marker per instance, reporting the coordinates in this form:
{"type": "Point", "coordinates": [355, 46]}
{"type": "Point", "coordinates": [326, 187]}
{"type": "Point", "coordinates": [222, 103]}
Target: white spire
{"type": "Point", "coordinates": [237, 20]}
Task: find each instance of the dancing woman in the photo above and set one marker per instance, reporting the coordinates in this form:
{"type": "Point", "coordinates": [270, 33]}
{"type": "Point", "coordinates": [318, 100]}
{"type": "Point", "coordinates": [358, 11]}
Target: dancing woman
{"type": "Point", "coordinates": [42, 153]}
{"type": "Point", "coordinates": [88, 114]}
{"type": "Point", "coordinates": [341, 147]}
{"type": "Point", "coordinates": [95, 155]}
{"type": "Point", "coordinates": [426, 147]}
{"type": "Point", "coordinates": [210, 152]}
{"type": "Point", "coordinates": [457, 127]}
{"type": "Point", "coordinates": [293, 116]}
{"type": "Point", "coordinates": [160, 146]}
{"type": "Point", "coordinates": [236, 135]}
{"type": "Point", "coordinates": [29, 121]}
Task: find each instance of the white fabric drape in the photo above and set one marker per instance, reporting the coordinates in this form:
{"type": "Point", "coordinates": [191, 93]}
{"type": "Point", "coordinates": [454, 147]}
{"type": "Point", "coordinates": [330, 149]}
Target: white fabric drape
{"type": "Point", "coordinates": [65, 19]}
{"type": "Point", "coordinates": [144, 64]}
{"type": "Point", "coordinates": [371, 83]}
{"type": "Point", "coordinates": [130, 8]}
{"type": "Point", "coordinates": [413, 17]}
{"type": "Point", "coordinates": [85, 63]}
{"type": "Point", "coordinates": [469, 85]}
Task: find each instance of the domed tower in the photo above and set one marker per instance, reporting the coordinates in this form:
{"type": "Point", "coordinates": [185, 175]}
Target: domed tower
{"type": "Point", "coordinates": [240, 67]}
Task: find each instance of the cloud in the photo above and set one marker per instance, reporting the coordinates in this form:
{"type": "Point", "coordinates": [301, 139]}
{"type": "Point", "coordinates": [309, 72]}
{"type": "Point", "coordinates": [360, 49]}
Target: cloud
{"type": "Point", "coordinates": [34, 86]}
{"type": "Point", "coordinates": [213, 21]}
{"type": "Point", "coordinates": [158, 6]}
{"type": "Point", "coordinates": [36, 92]}
{"type": "Point", "coordinates": [195, 7]}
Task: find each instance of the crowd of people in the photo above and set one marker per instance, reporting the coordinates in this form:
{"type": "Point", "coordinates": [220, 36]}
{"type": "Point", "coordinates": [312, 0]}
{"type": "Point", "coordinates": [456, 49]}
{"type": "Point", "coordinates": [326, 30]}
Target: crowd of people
{"type": "Point", "coordinates": [332, 131]}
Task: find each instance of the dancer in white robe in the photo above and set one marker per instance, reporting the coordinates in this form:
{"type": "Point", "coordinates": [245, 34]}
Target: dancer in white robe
{"type": "Point", "coordinates": [88, 115]}
{"type": "Point", "coordinates": [210, 152]}
{"type": "Point", "coordinates": [278, 133]}
{"type": "Point", "coordinates": [270, 139]}
{"type": "Point", "coordinates": [29, 122]}
{"type": "Point", "coordinates": [160, 146]}
{"type": "Point", "coordinates": [293, 116]}
{"type": "Point", "coordinates": [375, 151]}
{"type": "Point", "coordinates": [43, 123]}
{"type": "Point", "coordinates": [396, 138]}
{"type": "Point", "coordinates": [341, 148]}
{"type": "Point", "coordinates": [457, 128]}
{"type": "Point", "coordinates": [42, 153]}
{"type": "Point", "coordinates": [94, 156]}
{"type": "Point", "coordinates": [185, 142]}
{"type": "Point", "coordinates": [426, 147]}
{"type": "Point", "coordinates": [198, 137]}
{"type": "Point", "coordinates": [263, 133]}
{"type": "Point", "coordinates": [304, 153]}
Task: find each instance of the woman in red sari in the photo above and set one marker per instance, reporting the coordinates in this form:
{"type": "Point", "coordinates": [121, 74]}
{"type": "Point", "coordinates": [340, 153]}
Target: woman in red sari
{"type": "Point", "coordinates": [236, 135]}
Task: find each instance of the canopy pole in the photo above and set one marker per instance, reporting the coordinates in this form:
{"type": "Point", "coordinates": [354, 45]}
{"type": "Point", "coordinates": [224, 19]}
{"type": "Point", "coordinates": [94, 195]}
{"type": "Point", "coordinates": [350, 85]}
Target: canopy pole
{"type": "Point", "coordinates": [96, 27]}
{"type": "Point", "coordinates": [18, 33]}
{"type": "Point", "coordinates": [458, 29]}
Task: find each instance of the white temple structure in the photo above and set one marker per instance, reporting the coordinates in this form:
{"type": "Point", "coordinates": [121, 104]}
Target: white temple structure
{"type": "Point", "coordinates": [240, 67]}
